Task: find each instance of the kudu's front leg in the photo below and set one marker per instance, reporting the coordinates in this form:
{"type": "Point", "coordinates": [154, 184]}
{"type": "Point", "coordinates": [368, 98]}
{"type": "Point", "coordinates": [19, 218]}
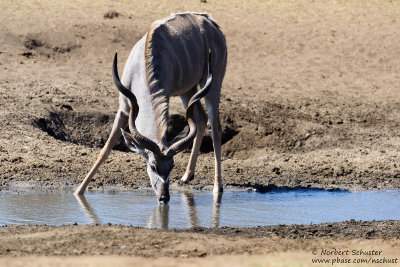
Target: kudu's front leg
{"type": "Point", "coordinates": [201, 119]}
{"type": "Point", "coordinates": [121, 121]}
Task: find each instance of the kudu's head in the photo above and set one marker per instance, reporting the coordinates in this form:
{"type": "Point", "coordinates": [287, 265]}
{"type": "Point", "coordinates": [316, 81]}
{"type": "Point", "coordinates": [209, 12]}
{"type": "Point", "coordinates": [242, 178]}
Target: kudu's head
{"type": "Point", "coordinates": [159, 155]}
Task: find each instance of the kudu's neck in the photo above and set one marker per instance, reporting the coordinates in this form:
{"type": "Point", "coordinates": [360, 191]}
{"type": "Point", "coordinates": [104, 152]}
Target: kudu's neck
{"type": "Point", "coordinates": [153, 103]}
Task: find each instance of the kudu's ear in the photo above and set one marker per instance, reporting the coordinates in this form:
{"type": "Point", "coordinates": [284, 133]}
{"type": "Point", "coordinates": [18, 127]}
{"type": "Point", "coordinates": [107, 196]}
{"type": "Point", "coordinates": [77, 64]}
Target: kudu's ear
{"type": "Point", "coordinates": [129, 141]}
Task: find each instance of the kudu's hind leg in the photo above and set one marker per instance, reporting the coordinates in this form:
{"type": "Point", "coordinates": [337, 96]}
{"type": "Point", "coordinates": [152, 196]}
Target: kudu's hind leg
{"type": "Point", "coordinates": [121, 121]}
{"type": "Point", "coordinates": [201, 119]}
{"type": "Point", "coordinates": [212, 104]}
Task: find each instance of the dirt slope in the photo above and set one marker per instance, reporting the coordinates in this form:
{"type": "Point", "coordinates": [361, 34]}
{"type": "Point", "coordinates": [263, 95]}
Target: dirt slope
{"type": "Point", "coordinates": [310, 96]}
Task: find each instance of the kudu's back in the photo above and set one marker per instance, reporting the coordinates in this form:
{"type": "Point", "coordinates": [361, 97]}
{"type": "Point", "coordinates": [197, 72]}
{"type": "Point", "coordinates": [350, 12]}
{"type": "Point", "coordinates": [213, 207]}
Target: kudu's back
{"type": "Point", "coordinates": [177, 49]}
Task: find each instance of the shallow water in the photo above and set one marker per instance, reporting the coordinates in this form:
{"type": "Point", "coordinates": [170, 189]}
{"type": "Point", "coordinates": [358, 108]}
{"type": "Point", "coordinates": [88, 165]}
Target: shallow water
{"type": "Point", "coordinates": [198, 208]}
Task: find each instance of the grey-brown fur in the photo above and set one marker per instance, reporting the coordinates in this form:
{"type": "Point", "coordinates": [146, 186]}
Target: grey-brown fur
{"type": "Point", "coordinates": [188, 37]}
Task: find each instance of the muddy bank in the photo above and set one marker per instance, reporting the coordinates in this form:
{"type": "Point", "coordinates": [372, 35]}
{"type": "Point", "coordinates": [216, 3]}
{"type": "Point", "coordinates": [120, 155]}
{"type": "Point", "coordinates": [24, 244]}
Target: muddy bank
{"type": "Point", "coordinates": [343, 230]}
{"type": "Point", "coordinates": [199, 242]}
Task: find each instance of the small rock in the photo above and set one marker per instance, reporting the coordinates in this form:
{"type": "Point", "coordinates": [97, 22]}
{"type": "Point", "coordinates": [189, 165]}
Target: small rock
{"type": "Point", "coordinates": [27, 54]}
{"type": "Point", "coordinates": [32, 43]}
{"type": "Point", "coordinates": [298, 144]}
{"type": "Point", "coordinates": [276, 170]}
{"type": "Point", "coordinates": [268, 132]}
{"type": "Point", "coordinates": [66, 106]}
{"type": "Point", "coordinates": [202, 254]}
{"type": "Point", "coordinates": [111, 14]}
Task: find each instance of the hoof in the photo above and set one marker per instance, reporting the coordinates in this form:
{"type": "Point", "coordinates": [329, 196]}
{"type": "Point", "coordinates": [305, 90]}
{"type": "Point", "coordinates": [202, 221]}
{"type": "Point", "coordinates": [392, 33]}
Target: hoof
{"type": "Point", "coordinates": [186, 179]}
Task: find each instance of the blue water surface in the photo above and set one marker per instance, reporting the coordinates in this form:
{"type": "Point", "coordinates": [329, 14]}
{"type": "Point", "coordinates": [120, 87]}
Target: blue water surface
{"type": "Point", "coordinates": [197, 208]}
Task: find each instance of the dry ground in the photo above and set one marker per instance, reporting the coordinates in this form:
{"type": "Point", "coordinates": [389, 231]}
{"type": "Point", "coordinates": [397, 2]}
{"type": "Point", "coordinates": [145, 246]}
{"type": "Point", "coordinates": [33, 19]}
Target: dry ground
{"type": "Point", "coordinates": [265, 246]}
{"type": "Point", "coordinates": [311, 97]}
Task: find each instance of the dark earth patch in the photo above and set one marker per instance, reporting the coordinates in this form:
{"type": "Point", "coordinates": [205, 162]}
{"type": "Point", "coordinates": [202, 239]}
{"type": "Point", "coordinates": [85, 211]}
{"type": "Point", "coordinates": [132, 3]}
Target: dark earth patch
{"type": "Point", "coordinates": [50, 44]}
{"type": "Point", "coordinates": [92, 129]}
{"type": "Point", "coordinates": [78, 128]}
{"type": "Point", "coordinates": [176, 123]}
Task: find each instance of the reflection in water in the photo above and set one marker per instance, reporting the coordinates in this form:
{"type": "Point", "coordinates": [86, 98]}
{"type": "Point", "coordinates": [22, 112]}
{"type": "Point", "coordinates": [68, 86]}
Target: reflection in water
{"type": "Point", "coordinates": [217, 202]}
{"type": "Point", "coordinates": [198, 208]}
{"type": "Point", "coordinates": [188, 199]}
{"type": "Point", "coordinates": [87, 209]}
{"type": "Point", "coordinates": [159, 218]}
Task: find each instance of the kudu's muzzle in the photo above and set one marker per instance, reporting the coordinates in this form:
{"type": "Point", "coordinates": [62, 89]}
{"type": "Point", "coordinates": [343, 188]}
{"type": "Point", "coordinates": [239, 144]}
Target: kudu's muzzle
{"type": "Point", "coordinates": [163, 193]}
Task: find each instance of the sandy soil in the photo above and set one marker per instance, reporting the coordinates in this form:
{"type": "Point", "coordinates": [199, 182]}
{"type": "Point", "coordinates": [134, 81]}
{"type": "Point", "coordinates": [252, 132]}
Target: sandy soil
{"type": "Point", "coordinates": [277, 245]}
{"type": "Point", "coordinates": [310, 99]}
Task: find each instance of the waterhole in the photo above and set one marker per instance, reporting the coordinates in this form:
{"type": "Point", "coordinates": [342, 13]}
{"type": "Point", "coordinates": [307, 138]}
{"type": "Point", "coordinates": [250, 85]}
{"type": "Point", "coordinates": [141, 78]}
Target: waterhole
{"type": "Point", "coordinates": [198, 208]}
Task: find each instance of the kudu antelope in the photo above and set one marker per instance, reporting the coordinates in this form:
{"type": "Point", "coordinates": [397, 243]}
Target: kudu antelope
{"type": "Point", "coordinates": [171, 59]}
